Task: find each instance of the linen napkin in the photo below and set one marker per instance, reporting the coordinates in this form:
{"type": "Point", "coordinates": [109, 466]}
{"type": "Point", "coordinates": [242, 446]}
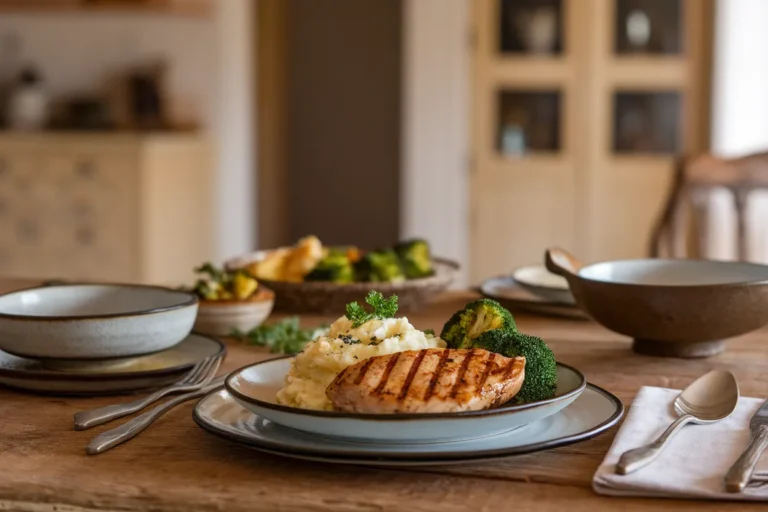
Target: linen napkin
{"type": "Point", "coordinates": [695, 460]}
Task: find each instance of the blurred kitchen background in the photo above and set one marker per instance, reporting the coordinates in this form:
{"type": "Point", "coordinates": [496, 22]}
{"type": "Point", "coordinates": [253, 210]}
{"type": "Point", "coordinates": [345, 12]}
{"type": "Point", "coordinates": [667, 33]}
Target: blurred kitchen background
{"type": "Point", "coordinates": [142, 137]}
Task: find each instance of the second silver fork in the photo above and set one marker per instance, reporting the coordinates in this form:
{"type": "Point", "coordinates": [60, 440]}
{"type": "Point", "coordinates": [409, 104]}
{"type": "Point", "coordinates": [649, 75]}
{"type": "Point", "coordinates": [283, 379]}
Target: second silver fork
{"type": "Point", "coordinates": [200, 375]}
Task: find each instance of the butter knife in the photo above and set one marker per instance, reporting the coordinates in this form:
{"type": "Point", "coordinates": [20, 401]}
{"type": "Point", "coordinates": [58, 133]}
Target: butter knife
{"type": "Point", "coordinates": [741, 472]}
{"type": "Point", "coordinates": [111, 438]}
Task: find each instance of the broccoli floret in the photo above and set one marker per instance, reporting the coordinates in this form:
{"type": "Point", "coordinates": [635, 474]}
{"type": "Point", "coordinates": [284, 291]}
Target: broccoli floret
{"type": "Point", "coordinates": [335, 267]}
{"type": "Point", "coordinates": [415, 258]}
{"type": "Point", "coordinates": [482, 324]}
{"type": "Point", "coordinates": [540, 368]}
{"type": "Point", "coordinates": [487, 325]}
{"type": "Point", "coordinates": [379, 266]}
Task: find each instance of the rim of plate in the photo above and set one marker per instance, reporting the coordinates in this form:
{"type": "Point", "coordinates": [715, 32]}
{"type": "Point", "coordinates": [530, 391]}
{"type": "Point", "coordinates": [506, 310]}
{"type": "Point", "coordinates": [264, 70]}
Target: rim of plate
{"type": "Point", "coordinates": [496, 411]}
{"type": "Point", "coordinates": [96, 376]}
{"type": "Point", "coordinates": [407, 457]}
{"type": "Point", "coordinates": [191, 300]}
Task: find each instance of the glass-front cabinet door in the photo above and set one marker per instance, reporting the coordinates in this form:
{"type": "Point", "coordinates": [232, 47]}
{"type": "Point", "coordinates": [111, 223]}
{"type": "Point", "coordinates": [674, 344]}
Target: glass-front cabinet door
{"type": "Point", "coordinates": [579, 108]}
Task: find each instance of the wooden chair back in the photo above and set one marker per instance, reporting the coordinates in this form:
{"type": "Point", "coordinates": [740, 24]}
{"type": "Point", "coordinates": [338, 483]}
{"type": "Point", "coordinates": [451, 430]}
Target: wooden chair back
{"type": "Point", "coordinates": [694, 180]}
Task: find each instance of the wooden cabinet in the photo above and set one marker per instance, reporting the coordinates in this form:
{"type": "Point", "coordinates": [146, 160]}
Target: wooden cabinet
{"type": "Point", "coordinates": [579, 108]}
{"type": "Point", "coordinates": [105, 207]}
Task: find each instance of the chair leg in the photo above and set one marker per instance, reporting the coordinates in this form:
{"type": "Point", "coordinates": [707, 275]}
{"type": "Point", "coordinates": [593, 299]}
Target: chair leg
{"type": "Point", "coordinates": [740, 199]}
{"type": "Point", "coordinates": [701, 208]}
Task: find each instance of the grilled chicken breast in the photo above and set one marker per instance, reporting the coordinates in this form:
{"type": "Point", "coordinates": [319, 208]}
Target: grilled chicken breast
{"type": "Point", "coordinates": [427, 381]}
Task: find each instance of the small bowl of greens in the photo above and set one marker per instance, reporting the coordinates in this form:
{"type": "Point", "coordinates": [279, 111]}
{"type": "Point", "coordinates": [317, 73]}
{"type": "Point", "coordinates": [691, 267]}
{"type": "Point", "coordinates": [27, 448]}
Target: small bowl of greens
{"type": "Point", "coordinates": [312, 278]}
{"type": "Point", "coordinates": [230, 301]}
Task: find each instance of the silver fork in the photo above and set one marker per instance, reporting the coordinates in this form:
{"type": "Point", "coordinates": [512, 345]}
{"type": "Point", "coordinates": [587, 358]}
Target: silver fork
{"type": "Point", "coordinates": [130, 429]}
{"type": "Point", "coordinates": [200, 375]}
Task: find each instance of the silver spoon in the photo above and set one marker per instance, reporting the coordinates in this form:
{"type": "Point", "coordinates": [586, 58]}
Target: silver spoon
{"type": "Point", "coordinates": [710, 398]}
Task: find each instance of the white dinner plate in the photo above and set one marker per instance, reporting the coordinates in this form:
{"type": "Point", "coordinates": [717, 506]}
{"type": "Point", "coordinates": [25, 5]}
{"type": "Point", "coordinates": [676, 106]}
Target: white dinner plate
{"type": "Point", "coordinates": [593, 412]}
{"type": "Point", "coordinates": [255, 386]}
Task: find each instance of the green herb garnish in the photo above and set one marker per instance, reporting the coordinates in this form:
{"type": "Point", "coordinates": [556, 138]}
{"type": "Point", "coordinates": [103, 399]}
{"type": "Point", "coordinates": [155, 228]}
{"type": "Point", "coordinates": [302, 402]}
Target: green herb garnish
{"type": "Point", "coordinates": [382, 308]}
{"type": "Point", "coordinates": [283, 337]}
{"type": "Point", "coordinates": [429, 332]}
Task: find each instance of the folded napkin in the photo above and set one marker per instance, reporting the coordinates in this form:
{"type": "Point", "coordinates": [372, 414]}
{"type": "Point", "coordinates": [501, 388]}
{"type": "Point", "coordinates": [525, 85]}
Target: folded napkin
{"type": "Point", "coordinates": [695, 460]}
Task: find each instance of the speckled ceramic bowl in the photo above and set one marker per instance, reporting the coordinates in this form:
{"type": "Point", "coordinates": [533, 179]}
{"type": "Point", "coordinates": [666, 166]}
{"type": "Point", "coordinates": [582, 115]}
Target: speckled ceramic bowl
{"type": "Point", "coordinates": [674, 308]}
{"type": "Point", "coordinates": [221, 317]}
{"type": "Point", "coordinates": [94, 321]}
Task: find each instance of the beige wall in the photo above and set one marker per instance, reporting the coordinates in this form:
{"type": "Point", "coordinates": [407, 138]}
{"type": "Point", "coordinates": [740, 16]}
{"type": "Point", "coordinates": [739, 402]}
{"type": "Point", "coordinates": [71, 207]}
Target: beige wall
{"type": "Point", "coordinates": [76, 53]}
{"type": "Point", "coordinates": [343, 138]}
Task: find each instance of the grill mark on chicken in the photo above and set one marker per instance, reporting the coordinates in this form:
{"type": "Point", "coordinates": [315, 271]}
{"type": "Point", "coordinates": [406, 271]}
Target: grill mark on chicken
{"type": "Point", "coordinates": [385, 376]}
{"type": "Point", "coordinates": [462, 372]}
{"type": "Point", "coordinates": [436, 375]}
{"type": "Point", "coordinates": [489, 362]}
{"type": "Point", "coordinates": [508, 370]}
{"type": "Point", "coordinates": [364, 370]}
{"type": "Point", "coordinates": [411, 375]}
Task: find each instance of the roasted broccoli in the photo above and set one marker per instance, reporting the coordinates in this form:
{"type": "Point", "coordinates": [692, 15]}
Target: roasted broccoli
{"type": "Point", "coordinates": [483, 323]}
{"type": "Point", "coordinates": [335, 267]}
{"type": "Point", "coordinates": [379, 266]}
{"type": "Point", "coordinates": [415, 258]}
{"type": "Point", "coordinates": [486, 324]}
{"type": "Point", "coordinates": [219, 284]}
{"type": "Point", "coordinates": [540, 368]}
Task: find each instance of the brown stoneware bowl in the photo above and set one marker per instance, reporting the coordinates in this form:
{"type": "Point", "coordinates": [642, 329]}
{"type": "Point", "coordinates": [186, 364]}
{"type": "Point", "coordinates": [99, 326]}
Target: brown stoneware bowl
{"type": "Point", "coordinates": [674, 308]}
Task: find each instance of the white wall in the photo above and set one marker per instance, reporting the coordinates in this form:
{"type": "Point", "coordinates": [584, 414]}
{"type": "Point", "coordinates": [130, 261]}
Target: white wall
{"type": "Point", "coordinates": [739, 114]}
{"type": "Point", "coordinates": [435, 145]}
{"type": "Point", "coordinates": [209, 80]}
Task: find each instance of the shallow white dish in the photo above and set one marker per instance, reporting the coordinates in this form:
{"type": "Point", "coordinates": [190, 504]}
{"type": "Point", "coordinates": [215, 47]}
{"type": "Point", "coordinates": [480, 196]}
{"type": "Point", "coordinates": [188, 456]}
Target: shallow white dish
{"type": "Point", "coordinates": [94, 321]}
{"type": "Point", "coordinates": [137, 373]}
{"type": "Point", "coordinates": [593, 412]}
{"type": "Point", "coordinates": [254, 387]}
{"type": "Point", "coordinates": [220, 318]}
{"type": "Point", "coordinates": [509, 293]}
{"type": "Point", "coordinates": [540, 281]}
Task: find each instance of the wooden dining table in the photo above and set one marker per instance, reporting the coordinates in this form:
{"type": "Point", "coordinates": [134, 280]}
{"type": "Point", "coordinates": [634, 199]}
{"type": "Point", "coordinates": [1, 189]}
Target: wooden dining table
{"type": "Point", "coordinates": [174, 466]}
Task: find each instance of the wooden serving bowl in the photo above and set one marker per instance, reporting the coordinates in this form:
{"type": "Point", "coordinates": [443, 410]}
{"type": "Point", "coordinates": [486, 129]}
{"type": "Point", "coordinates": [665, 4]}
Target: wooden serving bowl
{"type": "Point", "coordinates": [324, 297]}
{"type": "Point", "coordinates": [673, 308]}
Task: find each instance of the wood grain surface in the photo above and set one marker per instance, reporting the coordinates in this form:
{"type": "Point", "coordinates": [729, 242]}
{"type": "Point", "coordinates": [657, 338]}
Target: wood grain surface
{"type": "Point", "coordinates": [176, 467]}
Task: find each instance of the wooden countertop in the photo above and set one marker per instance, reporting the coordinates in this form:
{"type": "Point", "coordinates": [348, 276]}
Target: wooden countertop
{"type": "Point", "coordinates": [175, 466]}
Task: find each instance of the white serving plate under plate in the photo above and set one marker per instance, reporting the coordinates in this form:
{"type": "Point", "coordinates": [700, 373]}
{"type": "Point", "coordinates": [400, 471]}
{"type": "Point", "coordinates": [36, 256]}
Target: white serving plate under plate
{"type": "Point", "coordinates": [593, 412]}
{"type": "Point", "coordinates": [512, 296]}
{"type": "Point", "coordinates": [254, 388]}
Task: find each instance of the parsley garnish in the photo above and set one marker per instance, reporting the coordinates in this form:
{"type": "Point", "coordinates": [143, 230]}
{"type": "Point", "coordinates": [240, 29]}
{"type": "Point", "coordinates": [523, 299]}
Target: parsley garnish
{"type": "Point", "coordinates": [283, 337]}
{"type": "Point", "coordinates": [429, 332]}
{"type": "Point", "coordinates": [348, 340]}
{"type": "Point", "coordinates": [382, 308]}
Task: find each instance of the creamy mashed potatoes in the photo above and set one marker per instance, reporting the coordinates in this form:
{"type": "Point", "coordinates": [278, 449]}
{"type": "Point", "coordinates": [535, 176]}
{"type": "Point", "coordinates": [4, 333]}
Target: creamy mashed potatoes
{"type": "Point", "coordinates": [324, 358]}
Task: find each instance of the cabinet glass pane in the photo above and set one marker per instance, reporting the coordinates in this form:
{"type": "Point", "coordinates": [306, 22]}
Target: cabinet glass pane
{"type": "Point", "coordinates": [529, 121]}
{"type": "Point", "coordinates": [531, 26]}
{"type": "Point", "coordinates": [649, 26]}
{"type": "Point", "coordinates": [646, 122]}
